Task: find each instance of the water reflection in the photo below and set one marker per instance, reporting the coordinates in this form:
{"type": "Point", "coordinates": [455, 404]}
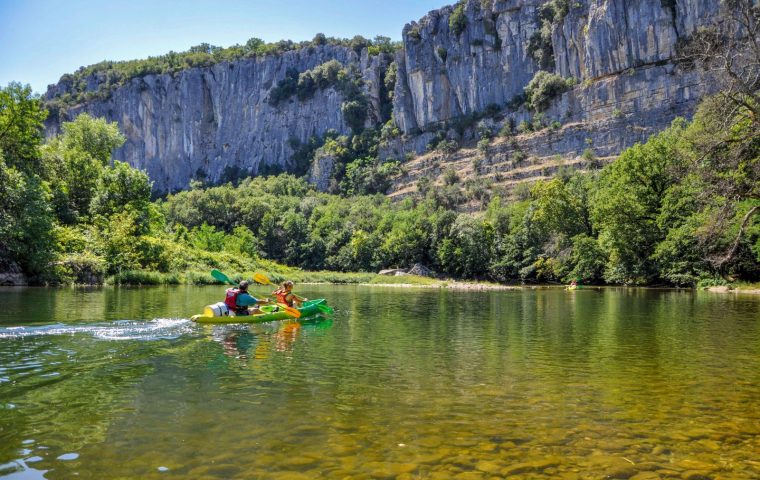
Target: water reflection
{"type": "Point", "coordinates": [258, 341]}
{"type": "Point", "coordinates": [402, 384]}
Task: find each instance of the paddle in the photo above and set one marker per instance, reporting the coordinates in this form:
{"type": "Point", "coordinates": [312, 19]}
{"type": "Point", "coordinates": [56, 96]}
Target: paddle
{"type": "Point", "coordinates": [221, 277]}
{"type": "Point", "coordinates": [264, 280]}
{"type": "Point", "coordinates": [293, 312]}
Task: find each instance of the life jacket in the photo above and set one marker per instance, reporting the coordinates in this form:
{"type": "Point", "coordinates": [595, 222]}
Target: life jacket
{"type": "Point", "coordinates": [230, 299]}
{"type": "Point", "coordinates": [282, 296]}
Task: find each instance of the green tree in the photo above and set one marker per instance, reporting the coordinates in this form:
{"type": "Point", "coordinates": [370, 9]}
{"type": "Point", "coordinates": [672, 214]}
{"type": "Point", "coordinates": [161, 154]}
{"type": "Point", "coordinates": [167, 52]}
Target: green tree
{"type": "Point", "coordinates": [120, 186]}
{"type": "Point", "coordinates": [628, 201]}
{"type": "Point", "coordinates": [74, 162]}
{"type": "Point", "coordinates": [208, 238]}
{"type": "Point", "coordinates": [465, 253]}
{"type": "Point", "coordinates": [21, 124]}
{"type": "Point", "coordinates": [242, 241]}
{"type": "Point", "coordinates": [25, 221]}
{"type": "Point", "coordinates": [94, 136]}
{"type": "Point", "coordinates": [588, 260]}
{"type": "Point", "coordinates": [73, 177]}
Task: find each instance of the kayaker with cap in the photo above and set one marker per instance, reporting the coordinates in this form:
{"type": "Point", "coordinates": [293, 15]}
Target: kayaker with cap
{"type": "Point", "coordinates": [285, 295]}
{"type": "Point", "coordinates": [238, 300]}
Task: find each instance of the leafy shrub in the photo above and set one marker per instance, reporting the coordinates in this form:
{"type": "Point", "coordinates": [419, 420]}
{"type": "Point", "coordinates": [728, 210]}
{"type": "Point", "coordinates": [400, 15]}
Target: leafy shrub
{"type": "Point", "coordinates": [83, 268]}
{"type": "Point", "coordinates": [447, 146]}
{"type": "Point", "coordinates": [484, 130]}
{"type": "Point", "coordinates": [508, 128]}
{"type": "Point", "coordinates": [458, 19]}
{"type": "Point", "coordinates": [525, 127]}
{"type": "Point", "coordinates": [519, 156]}
{"type": "Point", "coordinates": [208, 238]}
{"type": "Point", "coordinates": [285, 88]}
{"type": "Point", "coordinates": [540, 47]}
{"type": "Point", "coordinates": [516, 102]}
{"type": "Point", "coordinates": [543, 88]}
{"type": "Point", "coordinates": [143, 277]}
{"type": "Point", "coordinates": [367, 175]}
{"type": "Point", "coordinates": [389, 130]}
{"type": "Point", "coordinates": [442, 54]}
{"type": "Point", "coordinates": [522, 191]}
{"type": "Point", "coordinates": [354, 113]}
{"type": "Point", "coordinates": [450, 176]}
{"type": "Point", "coordinates": [707, 282]}
{"type": "Point", "coordinates": [483, 145]}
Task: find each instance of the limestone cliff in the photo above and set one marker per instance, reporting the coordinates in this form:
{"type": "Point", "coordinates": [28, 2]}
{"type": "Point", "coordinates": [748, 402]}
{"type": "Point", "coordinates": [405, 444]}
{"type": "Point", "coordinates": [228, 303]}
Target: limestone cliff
{"type": "Point", "coordinates": [620, 53]}
{"type": "Point", "coordinates": [216, 123]}
{"type": "Point", "coordinates": [456, 63]}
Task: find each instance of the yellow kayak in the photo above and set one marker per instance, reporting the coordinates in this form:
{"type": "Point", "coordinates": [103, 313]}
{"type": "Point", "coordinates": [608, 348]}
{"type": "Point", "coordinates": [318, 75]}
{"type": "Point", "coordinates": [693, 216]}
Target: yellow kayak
{"type": "Point", "coordinates": [271, 313]}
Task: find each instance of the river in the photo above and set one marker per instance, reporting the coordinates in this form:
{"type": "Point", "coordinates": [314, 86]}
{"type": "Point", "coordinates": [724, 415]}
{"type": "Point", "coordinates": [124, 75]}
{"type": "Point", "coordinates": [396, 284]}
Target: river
{"type": "Point", "coordinates": [398, 383]}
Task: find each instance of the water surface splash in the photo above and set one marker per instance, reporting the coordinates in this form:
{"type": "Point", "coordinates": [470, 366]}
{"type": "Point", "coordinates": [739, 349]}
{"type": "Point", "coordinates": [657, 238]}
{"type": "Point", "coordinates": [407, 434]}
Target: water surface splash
{"type": "Point", "coordinates": [156, 329]}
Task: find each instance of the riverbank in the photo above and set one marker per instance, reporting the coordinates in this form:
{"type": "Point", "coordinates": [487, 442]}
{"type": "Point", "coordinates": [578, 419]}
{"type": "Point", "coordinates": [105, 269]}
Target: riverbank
{"type": "Point", "coordinates": [740, 288]}
{"type": "Point", "coordinates": [278, 273]}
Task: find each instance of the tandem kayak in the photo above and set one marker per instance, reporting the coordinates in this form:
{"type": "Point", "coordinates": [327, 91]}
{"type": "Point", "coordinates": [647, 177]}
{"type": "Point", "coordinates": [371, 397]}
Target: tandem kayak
{"type": "Point", "coordinates": [271, 313]}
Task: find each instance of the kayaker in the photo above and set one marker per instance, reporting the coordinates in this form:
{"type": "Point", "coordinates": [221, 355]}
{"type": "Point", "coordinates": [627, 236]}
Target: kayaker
{"type": "Point", "coordinates": [239, 300]}
{"type": "Point", "coordinates": [285, 295]}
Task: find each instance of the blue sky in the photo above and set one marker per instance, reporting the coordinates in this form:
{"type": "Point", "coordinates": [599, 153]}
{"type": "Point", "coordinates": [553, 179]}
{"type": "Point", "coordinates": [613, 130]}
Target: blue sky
{"type": "Point", "coordinates": [42, 39]}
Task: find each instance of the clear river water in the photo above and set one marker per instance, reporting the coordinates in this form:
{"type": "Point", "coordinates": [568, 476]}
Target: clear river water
{"type": "Point", "coordinates": [397, 384]}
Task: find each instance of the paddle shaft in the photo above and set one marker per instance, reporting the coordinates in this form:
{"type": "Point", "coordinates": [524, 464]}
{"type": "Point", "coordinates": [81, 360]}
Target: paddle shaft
{"type": "Point", "coordinates": [224, 278]}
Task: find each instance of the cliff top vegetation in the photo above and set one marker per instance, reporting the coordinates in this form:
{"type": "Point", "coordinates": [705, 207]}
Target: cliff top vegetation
{"type": "Point", "coordinates": [109, 75]}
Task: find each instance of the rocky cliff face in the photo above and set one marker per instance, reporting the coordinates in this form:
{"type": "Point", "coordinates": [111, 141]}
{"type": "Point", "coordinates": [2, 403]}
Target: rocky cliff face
{"type": "Point", "coordinates": [456, 63]}
{"type": "Point", "coordinates": [622, 55]}
{"type": "Point", "coordinates": [610, 47]}
{"type": "Point", "coordinates": [216, 123]}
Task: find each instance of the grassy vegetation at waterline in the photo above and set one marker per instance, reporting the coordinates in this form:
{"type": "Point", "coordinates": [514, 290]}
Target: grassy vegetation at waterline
{"type": "Point", "coordinates": [678, 210]}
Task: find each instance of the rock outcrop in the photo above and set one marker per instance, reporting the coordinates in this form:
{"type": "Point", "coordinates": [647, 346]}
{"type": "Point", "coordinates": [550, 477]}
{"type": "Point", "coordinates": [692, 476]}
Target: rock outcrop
{"type": "Point", "coordinates": [622, 55]}
{"type": "Point", "coordinates": [217, 123]}
{"type": "Point", "coordinates": [456, 63]}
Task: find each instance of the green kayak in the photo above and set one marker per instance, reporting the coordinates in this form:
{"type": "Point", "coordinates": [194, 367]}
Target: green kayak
{"type": "Point", "coordinates": [217, 314]}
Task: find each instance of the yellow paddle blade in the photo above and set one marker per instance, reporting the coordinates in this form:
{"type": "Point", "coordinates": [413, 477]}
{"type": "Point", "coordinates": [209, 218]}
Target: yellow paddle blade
{"type": "Point", "coordinates": [262, 279]}
{"type": "Point", "coordinates": [293, 312]}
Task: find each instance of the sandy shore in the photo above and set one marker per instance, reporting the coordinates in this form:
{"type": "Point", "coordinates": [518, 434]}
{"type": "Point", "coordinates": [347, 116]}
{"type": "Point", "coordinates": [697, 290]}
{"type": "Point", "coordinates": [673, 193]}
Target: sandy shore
{"type": "Point", "coordinates": [453, 285]}
{"type": "Point", "coordinates": [724, 289]}
{"type": "Point", "coordinates": [474, 286]}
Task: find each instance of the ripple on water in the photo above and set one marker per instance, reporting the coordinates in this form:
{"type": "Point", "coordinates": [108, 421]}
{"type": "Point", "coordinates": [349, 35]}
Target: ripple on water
{"type": "Point", "coordinates": [156, 329]}
{"type": "Point", "coordinates": [590, 392]}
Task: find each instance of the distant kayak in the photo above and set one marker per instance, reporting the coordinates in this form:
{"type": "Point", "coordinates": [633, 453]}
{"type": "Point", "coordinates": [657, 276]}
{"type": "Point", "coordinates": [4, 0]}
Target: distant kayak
{"type": "Point", "coordinates": [219, 313]}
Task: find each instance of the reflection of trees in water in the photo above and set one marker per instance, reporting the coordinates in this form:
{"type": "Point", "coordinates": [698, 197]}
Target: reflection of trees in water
{"type": "Point", "coordinates": [258, 341]}
{"type": "Point", "coordinates": [71, 400]}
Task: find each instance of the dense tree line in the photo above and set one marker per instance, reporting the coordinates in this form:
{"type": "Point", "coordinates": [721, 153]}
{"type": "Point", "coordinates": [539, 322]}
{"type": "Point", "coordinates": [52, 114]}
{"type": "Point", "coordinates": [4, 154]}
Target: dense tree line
{"type": "Point", "coordinates": [658, 215]}
{"type": "Point", "coordinates": [69, 213]}
{"type": "Point", "coordinates": [663, 213]}
{"type": "Point", "coordinates": [680, 209]}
